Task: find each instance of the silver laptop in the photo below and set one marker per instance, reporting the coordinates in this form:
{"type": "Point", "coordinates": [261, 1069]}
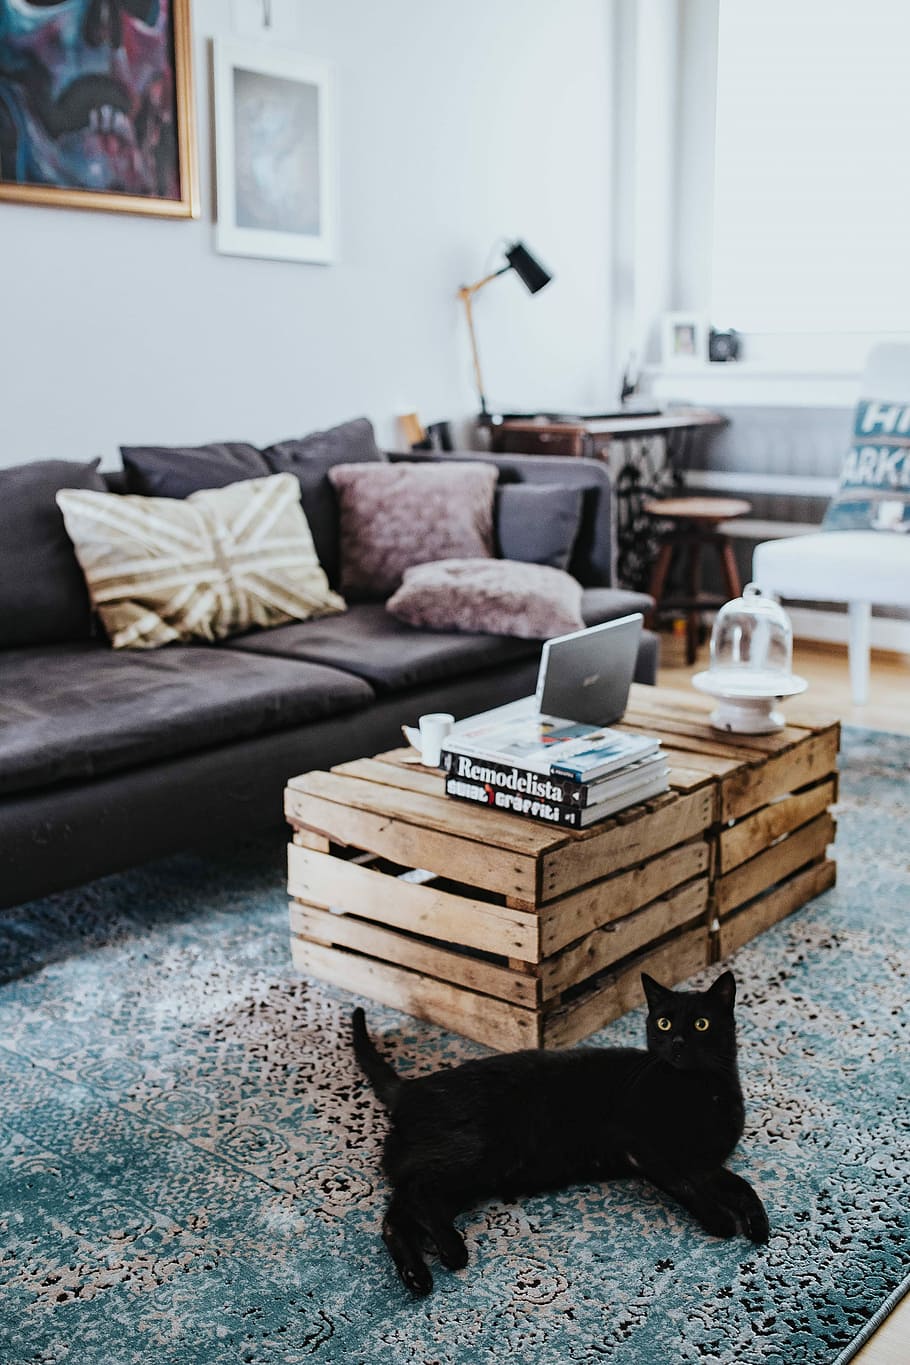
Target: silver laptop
{"type": "Point", "coordinates": [586, 676]}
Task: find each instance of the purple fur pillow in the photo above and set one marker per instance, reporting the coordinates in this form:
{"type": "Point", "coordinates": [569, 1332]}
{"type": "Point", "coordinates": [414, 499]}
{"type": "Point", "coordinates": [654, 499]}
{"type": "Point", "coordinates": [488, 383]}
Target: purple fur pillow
{"type": "Point", "coordinates": [392, 516]}
{"type": "Point", "coordinates": [490, 597]}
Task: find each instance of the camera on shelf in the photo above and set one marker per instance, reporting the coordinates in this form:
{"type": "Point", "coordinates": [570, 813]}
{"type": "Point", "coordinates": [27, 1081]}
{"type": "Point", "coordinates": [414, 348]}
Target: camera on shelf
{"type": "Point", "coordinates": [724, 345]}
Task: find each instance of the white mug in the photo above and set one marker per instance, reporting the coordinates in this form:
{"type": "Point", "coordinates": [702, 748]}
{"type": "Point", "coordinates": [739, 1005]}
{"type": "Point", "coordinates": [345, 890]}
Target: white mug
{"type": "Point", "coordinates": [433, 730]}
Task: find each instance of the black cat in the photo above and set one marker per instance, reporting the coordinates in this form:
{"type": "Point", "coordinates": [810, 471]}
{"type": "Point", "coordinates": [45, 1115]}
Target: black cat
{"type": "Point", "coordinates": [524, 1121]}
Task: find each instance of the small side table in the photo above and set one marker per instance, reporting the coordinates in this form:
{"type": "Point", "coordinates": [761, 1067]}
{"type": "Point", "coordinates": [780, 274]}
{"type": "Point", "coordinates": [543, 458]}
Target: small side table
{"type": "Point", "coordinates": [694, 524]}
{"type": "Point", "coordinates": [521, 934]}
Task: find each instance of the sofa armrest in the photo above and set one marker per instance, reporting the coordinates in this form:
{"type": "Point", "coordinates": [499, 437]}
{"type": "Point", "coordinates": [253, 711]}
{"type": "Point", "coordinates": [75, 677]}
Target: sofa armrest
{"type": "Point", "coordinates": [594, 556]}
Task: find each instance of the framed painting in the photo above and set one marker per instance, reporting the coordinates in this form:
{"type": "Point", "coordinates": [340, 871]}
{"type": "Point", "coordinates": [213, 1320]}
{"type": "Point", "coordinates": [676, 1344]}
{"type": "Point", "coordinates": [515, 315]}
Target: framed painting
{"type": "Point", "coordinates": [274, 153]}
{"type": "Point", "coordinates": [96, 105]}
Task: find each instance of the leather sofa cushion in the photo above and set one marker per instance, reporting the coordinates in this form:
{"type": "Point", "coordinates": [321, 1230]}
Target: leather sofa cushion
{"type": "Point", "coordinates": [178, 471]}
{"type": "Point", "coordinates": [310, 458]}
{"type": "Point", "coordinates": [43, 598]}
{"type": "Point", "coordinates": [608, 604]}
{"type": "Point", "coordinates": [70, 712]}
{"type": "Point", "coordinates": [538, 522]}
{"type": "Point", "coordinates": [391, 656]}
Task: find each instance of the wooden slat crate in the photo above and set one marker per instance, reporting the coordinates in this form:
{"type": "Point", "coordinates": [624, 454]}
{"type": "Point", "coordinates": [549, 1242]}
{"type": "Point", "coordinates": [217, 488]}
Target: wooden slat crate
{"type": "Point", "coordinates": [522, 935]}
{"type": "Point", "coordinates": [772, 825]}
{"type": "Point", "coordinates": [525, 935]}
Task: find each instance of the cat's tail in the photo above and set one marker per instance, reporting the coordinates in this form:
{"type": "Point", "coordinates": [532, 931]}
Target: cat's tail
{"type": "Point", "coordinates": [382, 1076]}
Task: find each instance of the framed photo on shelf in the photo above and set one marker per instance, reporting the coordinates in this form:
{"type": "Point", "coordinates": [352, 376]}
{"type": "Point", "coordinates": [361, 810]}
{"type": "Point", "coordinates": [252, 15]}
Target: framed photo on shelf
{"type": "Point", "coordinates": [683, 339]}
{"type": "Point", "coordinates": [97, 109]}
{"type": "Point", "coordinates": [274, 153]}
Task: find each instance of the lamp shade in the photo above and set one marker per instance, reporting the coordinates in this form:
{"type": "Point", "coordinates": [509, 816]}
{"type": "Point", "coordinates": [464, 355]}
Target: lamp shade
{"type": "Point", "coordinates": [530, 272]}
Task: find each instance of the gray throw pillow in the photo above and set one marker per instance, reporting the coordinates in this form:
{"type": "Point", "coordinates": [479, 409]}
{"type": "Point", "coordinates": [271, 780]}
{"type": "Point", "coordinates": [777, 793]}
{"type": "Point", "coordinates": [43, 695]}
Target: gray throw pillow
{"type": "Point", "coordinates": [310, 458]}
{"type": "Point", "coordinates": [43, 598]}
{"type": "Point", "coordinates": [178, 471]}
{"type": "Point", "coordinates": [489, 597]}
{"type": "Point", "coordinates": [538, 523]}
{"type": "Point", "coordinates": [393, 516]}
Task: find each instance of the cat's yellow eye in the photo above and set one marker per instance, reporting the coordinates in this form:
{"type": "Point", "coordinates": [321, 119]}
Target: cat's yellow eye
{"type": "Point", "coordinates": [702, 1025]}
{"type": "Point", "coordinates": [664, 1024]}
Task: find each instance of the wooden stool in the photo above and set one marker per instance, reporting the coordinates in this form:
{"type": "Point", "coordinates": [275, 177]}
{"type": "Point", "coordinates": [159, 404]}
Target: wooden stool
{"type": "Point", "coordinates": [694, 523]}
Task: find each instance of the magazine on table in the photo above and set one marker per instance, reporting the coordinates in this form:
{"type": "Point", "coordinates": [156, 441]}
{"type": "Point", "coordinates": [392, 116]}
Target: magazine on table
{"type": "Point", "coordinates": [553, 812]}
{"type": "Point", "coordinates": [518, 736]}
{"type": "Point", "coordinates": [564, 791]}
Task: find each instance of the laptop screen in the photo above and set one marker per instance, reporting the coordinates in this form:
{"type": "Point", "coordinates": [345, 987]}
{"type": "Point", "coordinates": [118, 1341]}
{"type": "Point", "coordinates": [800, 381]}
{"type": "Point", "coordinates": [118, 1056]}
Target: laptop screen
{"type": "Point", "coordinates": [586, 676]}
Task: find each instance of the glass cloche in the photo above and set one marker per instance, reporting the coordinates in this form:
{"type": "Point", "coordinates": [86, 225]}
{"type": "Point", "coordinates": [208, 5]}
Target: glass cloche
{"type": "Point", "coordinates": [751, 664]}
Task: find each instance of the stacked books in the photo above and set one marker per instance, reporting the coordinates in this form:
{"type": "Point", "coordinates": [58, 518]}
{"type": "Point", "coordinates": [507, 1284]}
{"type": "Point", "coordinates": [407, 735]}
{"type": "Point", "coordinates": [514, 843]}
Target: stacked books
{"type": "Point", "coordinates": [559, 771]}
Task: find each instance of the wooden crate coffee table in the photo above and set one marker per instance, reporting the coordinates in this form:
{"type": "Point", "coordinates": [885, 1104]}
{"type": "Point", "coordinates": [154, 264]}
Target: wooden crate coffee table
{"type": "Point", "coordinates": [520, 934]}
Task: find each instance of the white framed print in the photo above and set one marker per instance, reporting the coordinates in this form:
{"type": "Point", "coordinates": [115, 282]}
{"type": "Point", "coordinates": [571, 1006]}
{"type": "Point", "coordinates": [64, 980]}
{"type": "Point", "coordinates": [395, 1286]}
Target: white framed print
{"type": "Point", "coordinates": [274, 153]}
{"type": "Point", "coordinates": [683, 339]}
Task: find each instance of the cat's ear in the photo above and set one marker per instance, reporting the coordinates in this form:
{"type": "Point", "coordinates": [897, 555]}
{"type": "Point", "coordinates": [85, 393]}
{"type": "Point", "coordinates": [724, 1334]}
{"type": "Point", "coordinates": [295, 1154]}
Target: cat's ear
{"type": "Point", "coordinates": [724, 990]}
{"type": "Point", "coordinates": [654, 991]}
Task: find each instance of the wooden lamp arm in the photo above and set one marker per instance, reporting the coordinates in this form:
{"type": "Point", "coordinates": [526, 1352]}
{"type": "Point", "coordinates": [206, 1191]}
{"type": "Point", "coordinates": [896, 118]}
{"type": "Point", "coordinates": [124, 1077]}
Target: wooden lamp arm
{"type": "Point", "coordinates": [466, 294]}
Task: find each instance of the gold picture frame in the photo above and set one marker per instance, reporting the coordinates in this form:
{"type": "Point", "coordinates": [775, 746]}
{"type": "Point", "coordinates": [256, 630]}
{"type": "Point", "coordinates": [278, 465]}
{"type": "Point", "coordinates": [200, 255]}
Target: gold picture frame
{"type": "Point", "coordinates": [185, 204]}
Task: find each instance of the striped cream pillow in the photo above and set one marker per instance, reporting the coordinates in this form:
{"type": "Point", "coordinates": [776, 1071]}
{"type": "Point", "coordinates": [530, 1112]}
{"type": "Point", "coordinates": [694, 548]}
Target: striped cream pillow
{"type": "Point", "coordinates": [204, 567]}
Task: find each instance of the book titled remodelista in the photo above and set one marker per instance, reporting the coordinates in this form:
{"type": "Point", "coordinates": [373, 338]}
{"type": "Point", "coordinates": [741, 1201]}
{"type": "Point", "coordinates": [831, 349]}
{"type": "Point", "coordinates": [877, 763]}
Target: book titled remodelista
{"type": "Point", "coordinates": [521, 737]}
{"type": "Point", "coordinates": [565, 791]}
{"type": "Point", "coordinates": [551, 812]}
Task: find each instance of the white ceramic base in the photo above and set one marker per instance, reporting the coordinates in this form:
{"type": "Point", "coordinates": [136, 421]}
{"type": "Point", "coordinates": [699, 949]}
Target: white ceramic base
{"type": "Point", "coordinates": [747, 715]}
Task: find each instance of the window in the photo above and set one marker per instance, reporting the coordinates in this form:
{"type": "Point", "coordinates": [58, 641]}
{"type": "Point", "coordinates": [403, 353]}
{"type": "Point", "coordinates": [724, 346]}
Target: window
{"type": "Point", "coordinates": [812, 187]}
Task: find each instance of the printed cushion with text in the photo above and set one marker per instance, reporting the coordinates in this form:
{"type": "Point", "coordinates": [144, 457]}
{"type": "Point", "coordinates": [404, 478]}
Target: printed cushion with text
{"type": "Point", "coordinates": [874, 491]}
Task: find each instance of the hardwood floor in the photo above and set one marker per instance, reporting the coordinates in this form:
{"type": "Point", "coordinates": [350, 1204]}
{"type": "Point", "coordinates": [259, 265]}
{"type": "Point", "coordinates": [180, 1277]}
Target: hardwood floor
{"type": "Point", "coordinates": [825, 669]}
{"type": "Point", "coordinates": [888, 708]}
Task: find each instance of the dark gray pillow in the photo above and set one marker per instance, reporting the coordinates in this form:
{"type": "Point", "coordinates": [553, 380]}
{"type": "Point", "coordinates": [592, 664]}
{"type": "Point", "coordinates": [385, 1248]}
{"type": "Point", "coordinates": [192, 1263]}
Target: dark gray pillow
{"type": "Point", "coordinates": [178, 471]}
{"type": "Point", "coordinates": [310, 458]}
{"type": "Point", "coordinates": [43, 597]}
{"type": "Point", "coordinates": [538, 523]}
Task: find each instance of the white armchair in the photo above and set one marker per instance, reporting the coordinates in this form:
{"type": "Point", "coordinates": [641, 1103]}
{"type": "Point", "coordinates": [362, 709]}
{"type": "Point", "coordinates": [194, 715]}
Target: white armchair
{"type": "Point", "coordinates": [861, 568]}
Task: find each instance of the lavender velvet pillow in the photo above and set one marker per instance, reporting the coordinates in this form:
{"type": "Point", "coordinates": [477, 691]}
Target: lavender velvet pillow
{"type": "Point", "coordinates": [393, 516]}
{"type": "Point", "coordinates": [490, 597]}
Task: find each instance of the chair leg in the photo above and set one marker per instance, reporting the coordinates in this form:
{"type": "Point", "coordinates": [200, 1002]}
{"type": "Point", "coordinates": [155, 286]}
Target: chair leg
{"type": "Point", "coordinates": [693, 616]}
{"type": "Point", "coordinates": [860, 614]}
{"type": "Point", "coordinates": [731, 571]}
{"type": "Point", "coordinates": [659, 580]}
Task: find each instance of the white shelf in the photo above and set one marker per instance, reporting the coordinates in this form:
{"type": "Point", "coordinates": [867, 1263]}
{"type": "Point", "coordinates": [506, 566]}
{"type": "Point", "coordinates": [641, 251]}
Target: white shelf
{"type": "Point", "coordinates": [747, 481]}
{"type": "Point", "coordinates": [745, 369]}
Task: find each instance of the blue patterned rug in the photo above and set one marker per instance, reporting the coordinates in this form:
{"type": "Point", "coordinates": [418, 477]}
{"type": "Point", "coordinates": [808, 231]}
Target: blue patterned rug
{"type": "Point", "coordinates": [189, 1159]}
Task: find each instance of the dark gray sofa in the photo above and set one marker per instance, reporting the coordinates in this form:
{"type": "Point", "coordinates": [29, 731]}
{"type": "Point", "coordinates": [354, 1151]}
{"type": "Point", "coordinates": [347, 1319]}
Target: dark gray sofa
{"type": "Point", "coordinates": [110, 758]}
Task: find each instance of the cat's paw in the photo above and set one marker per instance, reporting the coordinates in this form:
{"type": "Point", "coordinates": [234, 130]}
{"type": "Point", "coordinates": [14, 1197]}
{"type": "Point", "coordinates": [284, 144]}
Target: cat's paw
{"type": "Point", "coordinates": [738, 1213]}
{"type": "Point", "coordinates": [417, 1278]}
{"type": "Point", "coordinates": [734, 1199]}
{"type": "Point", "coordinates": [452, 1250]}
{"type": "Point", "coordinates": [755, 1222]}
{"type": "Point", "coordinates": [719, 1220]}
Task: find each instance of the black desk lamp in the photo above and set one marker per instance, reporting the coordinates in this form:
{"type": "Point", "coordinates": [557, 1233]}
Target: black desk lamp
{"type": "Point", "coordinates": [533, 277]}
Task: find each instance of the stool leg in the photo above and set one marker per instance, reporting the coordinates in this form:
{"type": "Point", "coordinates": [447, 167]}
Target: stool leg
{"type": "Point", "coordinates": [659, 579]}
{"type": "Point", "coordinates": [693, 614]}
{"type": "Point", "coordinates": [731, 572]}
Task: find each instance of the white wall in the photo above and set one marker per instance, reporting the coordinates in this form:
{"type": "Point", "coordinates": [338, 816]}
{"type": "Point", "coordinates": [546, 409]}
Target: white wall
{"type": "Point", "coordinates": [459, 123]}
{"type": "Point", "coordinates": [644, 202]}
